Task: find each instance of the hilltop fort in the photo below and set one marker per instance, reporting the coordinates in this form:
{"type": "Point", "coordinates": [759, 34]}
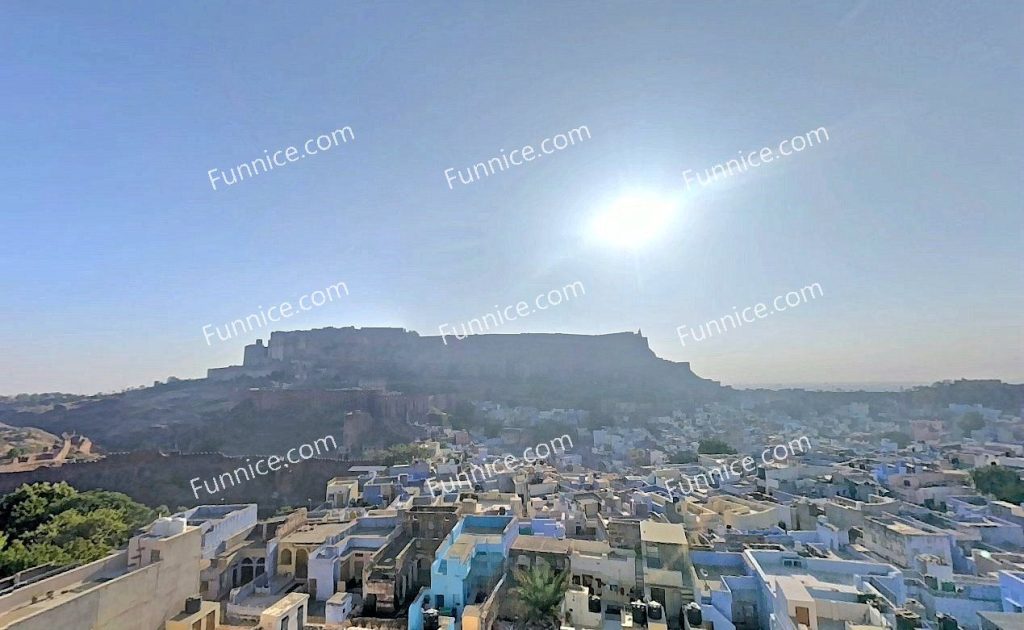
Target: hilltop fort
{"type": "Point", "coordinates": [395, 354]}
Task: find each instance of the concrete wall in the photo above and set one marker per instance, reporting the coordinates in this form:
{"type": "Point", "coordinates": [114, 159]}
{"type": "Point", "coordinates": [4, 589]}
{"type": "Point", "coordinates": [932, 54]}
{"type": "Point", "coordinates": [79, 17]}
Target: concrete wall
{"type": "Point", "coordinates": [1011, 590]}
{"type": "Point", "coordinates": [140, 600]}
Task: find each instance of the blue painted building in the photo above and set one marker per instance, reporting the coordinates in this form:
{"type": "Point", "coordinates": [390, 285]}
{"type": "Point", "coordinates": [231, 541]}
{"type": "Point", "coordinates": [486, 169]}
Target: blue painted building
{"type": "Point", "coordinates": [549, 527]}
{"type": "Point", "coordinates": [1011, 590]}
{"type": "Point", "coordinates": [466, 566]}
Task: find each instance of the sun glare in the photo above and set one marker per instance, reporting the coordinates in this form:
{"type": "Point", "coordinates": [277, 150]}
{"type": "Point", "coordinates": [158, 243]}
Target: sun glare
{"type": "Point", "coordinates": [633, 221]}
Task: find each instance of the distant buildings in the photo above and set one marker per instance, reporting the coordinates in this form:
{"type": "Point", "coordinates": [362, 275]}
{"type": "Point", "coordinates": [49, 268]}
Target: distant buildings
{"type": "Point", "coordinates": [846, 537]}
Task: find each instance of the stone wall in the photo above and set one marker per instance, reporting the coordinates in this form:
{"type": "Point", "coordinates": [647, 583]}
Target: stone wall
{"type": "Point", "coordinates": [156, 479]}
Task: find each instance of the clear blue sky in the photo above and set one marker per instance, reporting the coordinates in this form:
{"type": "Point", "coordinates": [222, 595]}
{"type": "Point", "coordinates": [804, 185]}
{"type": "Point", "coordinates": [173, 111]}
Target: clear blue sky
{"type": "Point", "coordinates": [116, 251]}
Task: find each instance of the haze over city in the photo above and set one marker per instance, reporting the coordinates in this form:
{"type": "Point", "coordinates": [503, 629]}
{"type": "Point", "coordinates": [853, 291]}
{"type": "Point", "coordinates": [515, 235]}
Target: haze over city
{"type": "Point", "coordinates": [512, 316]}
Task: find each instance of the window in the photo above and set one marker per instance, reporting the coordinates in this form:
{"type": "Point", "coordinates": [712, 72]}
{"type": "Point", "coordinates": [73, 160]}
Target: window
{"type": "Point", "coordinates": [286, 556]}
{"type": "Point", "coordinates": [198, 625]}
{"type": "Point", "coordinates": [300, 617]}
{"type": "Point", "coordinates": [154, 555]}
{"type": "Point", "coordinates": [440, 601]}
{"type": "Point", "coordinates": [211, 621]}
{"type": "Point", "coordinates": [284, 623]}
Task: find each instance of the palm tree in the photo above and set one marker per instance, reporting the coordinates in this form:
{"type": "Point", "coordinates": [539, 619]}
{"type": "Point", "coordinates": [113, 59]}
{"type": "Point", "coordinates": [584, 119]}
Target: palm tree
{"type": "Point", "coordinates": [541, 590]}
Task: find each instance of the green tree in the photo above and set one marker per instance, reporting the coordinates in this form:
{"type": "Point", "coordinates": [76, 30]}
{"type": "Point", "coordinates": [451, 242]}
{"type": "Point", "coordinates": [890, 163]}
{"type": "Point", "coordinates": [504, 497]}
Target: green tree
{"type": "Point", "coordinates": [29, 506]}
{"type": "Point", "coordinates": [902, 439]}
{"type": "Point", "coordinates": [714, 446]}
{"type": "Point", "coordinates": [104, 528]}
{"type": "Point", "coordinates": [683, 457]}
{"type": "Point", "coordinates": [541, 591]}
{"type": "Point", "coordinates": [972, 421]}
{"type": "Point", "coordinates": [403, 454]}
{"type": "Point", "coordinates": [135, 515]}
{"type": "Point", "coordinates": [1004, 483]}
{"type": "Point", "coordinates": [463, 416]}
{"type": "Point", "coordinates": [45, 522]}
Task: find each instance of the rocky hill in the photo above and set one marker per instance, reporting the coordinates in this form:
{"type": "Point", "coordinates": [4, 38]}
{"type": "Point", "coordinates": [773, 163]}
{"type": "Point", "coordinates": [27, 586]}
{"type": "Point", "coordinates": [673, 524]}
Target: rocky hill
{"type": "Point", "coordinates": [558, 368]}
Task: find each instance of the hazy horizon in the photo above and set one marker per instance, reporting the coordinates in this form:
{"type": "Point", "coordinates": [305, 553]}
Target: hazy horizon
{"type": "Point", "coordinates": [125, 241]}
{"type": "Point", "coordinates": [810, 385]}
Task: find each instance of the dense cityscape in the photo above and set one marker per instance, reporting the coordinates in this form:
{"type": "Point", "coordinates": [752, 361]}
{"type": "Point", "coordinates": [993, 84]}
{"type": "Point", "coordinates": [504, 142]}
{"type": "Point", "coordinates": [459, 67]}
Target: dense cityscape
{"type": "Point", "coordinates": [723, 508]}
{"type": "Point", "coordinates": [533, 315]}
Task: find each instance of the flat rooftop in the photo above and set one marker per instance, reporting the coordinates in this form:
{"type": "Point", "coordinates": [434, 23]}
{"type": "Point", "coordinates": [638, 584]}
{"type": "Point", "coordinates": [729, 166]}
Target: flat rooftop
{"type": "Point", "coordinates": [670, 533]}
{"type": "Point", "coordinates": [205, 513]}
{"type": "Point", "coordinates": [542, 544]}
{"type": "Point", "coordinates": [285, 603]}
{"type": "Point", "coordinates": [483, 529]}
{"type": "Point", "coordinates": [315, 533]}
{"type": "Point", "coordinates": [63, 594]}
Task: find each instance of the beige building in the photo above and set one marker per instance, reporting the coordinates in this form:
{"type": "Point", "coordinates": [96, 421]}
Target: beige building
{"type": "Point", "coordinates": [665, 562]}
{"type": "Point", "coordinates": [295, 549]}
{"type": "Point", "coordinates": [341, 491]}
{"type": "Point", "coordinates": [728, 512]}
{"type": "Point", "coordinates": [138, 588]}
{"type": "Point", "coordinates": [288, 613]}
{"type": "Point", "coordinates": [198, 615]}
{"type": "Point", "coordinates": [902, 543]}
{"type": "Point", "coordinates": [609, 573]}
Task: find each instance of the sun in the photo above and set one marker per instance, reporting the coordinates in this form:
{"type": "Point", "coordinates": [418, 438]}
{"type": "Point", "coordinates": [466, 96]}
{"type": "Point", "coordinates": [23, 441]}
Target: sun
{"type": "Point", "coordinates": [633, 220]}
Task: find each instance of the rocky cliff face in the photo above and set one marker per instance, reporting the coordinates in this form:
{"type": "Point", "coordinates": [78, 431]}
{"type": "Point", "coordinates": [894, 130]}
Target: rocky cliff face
{"type": "Point", "coordinates": [573, 361]}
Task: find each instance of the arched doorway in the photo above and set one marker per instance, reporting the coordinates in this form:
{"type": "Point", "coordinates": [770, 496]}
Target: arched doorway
{"type": "Point", "coordinates": [248, 571]}
{"type": "Point", "coordinates": [301, 563]}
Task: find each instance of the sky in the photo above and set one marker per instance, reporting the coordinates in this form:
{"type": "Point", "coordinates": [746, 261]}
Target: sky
{"type": "Point", "coordinates": [117, 250]}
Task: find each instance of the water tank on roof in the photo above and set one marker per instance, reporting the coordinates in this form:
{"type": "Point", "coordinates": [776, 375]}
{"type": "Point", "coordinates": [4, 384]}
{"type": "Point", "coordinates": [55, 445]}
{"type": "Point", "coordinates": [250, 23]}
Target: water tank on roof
{"type": "Point", "coordinates": [694, 616]}
{"type": "Point", "coordinates": [655, 612]}
{"type": "Point", "coordinates": [431, 619]}
{"type": "Point", "coordinates": [639, 609]}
